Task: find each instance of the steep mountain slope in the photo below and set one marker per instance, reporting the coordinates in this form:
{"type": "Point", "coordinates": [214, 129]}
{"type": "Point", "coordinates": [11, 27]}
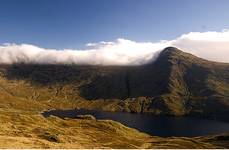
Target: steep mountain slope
{"type": "Point", "coordinates": [177, 83]}
{"type": "Point", "coordinates": [200, 85]}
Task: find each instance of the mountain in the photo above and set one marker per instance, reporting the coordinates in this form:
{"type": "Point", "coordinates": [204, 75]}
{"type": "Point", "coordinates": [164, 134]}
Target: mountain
{"type": "Point", "coordinates": [177, 83]}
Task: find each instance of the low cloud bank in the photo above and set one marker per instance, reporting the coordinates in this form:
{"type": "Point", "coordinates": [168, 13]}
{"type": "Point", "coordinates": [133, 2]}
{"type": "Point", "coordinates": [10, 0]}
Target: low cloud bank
{"type": "Point", "coordinates": [209, 45]}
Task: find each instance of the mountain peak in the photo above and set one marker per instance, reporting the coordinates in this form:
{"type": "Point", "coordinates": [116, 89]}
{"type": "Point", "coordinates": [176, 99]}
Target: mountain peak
{"type": "Point", "coordinates": [169, 52]}
{"type": "Point", "coordinates": [174, 54]}
{"type": "Point", "coordinates": [171, 48]}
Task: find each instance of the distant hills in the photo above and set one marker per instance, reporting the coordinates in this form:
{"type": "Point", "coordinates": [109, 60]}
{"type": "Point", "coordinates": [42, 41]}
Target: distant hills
{"type": "Point", "coordinates": [177, 83]}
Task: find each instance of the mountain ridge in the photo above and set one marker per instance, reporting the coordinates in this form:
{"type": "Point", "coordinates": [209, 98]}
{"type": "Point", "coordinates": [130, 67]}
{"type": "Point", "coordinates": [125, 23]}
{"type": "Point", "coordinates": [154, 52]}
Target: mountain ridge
{"type": "Point", "coordinates": [177, 83]}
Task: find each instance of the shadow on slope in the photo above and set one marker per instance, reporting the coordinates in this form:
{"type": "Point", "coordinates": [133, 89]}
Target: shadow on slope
{"type": "Point", "coordinates": [96, 82]}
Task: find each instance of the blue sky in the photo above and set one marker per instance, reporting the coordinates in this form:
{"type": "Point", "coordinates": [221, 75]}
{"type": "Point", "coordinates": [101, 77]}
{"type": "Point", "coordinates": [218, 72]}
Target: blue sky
{"type": "Point", "coordinates": [73, 23]}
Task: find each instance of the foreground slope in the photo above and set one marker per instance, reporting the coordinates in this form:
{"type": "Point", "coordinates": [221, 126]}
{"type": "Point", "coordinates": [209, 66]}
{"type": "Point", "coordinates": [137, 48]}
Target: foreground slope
{"type": "Point", "coordinates": [24, 127]}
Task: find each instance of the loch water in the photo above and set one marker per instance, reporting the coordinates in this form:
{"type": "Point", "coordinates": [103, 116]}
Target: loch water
{"type": "Point", "coordinates": [153, 125]}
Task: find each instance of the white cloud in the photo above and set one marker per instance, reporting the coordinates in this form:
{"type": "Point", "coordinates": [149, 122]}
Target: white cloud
{"type": "Point", "coordinates": [212, 46]}
{"type": "Point", "coordinates": [209, 45]}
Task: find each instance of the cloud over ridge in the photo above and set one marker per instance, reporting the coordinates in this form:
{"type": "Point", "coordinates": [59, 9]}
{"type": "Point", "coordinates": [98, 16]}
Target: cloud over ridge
{"type": "Point", "coordinates": [210, 45]}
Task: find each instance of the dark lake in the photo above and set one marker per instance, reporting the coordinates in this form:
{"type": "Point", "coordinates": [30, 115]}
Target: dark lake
{"type": "Point", "coordinates": [157, 126]}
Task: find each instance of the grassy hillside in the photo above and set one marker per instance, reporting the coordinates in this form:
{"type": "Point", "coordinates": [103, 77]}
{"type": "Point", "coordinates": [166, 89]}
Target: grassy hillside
{"type": "Point", "coordinates": [23, 126]}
